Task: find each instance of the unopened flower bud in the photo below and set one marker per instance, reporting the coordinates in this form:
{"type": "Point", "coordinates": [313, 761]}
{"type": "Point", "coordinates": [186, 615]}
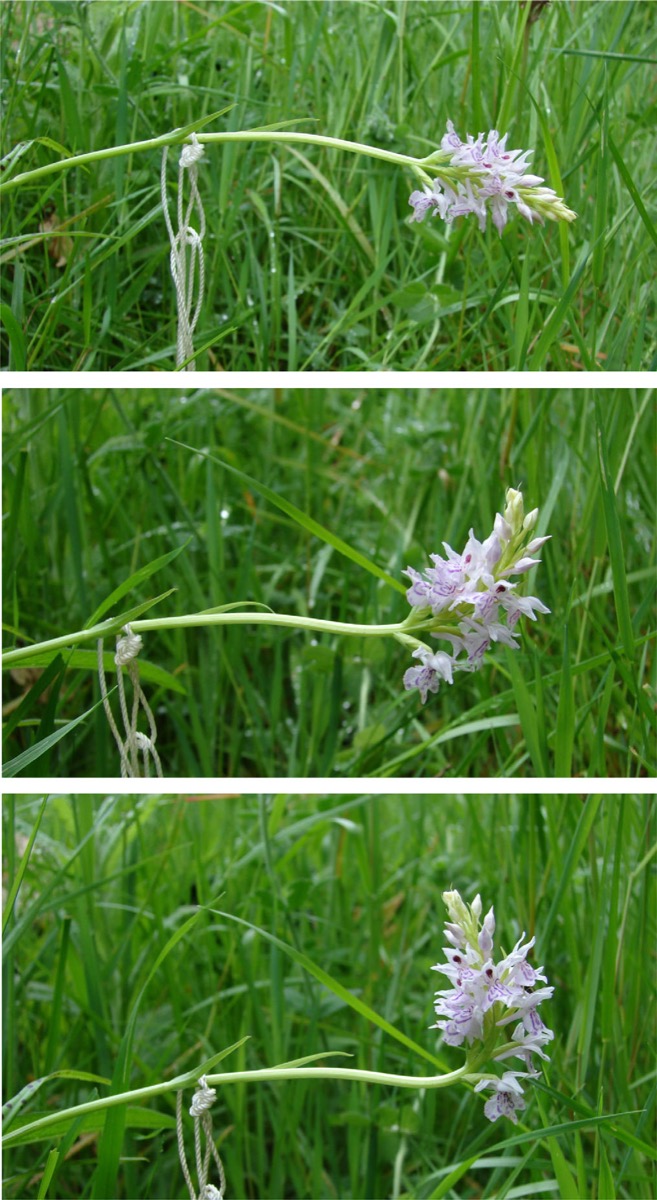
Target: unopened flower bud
{"type": "Point", "coordinates": [458, 911]}
{"type": "Point", "coordinates": [514, 511]}
{"type": "Point", "coordinates": [536, 544]}
{"type": "Point", "coordinates": [530, 520]}
{"type": "Point", "coordinates": [502, 528]}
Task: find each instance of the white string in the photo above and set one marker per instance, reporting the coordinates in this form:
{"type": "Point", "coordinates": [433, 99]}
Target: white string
{"type": "Point", "coordinates": [129, 747]}
{"type": "Point", "coordinates": [127, 647]}
{"type": "Point", "coordinates": [204, 1097]}
{"type": "Point", "coordinates": [183, 272]}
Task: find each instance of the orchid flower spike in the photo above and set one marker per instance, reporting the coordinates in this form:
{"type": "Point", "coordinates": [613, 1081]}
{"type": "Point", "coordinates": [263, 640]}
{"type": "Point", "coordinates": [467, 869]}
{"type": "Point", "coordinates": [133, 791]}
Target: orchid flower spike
{"type": "Point", "coordinates": [485, 999]}
{"type": "Point", "coordinates": [471, 598]}
{"type": "Point", "coordinates": [481, 176]}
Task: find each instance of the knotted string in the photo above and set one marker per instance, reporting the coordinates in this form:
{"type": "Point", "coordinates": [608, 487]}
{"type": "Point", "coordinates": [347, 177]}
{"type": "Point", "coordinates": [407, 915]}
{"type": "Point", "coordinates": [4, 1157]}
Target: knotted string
{"type": "Point", "coordinates": [183, 270]}
{"type": "Point", "coordinates": [127, 649]}
{"type": "Point", "coordinates": [204, 1097]}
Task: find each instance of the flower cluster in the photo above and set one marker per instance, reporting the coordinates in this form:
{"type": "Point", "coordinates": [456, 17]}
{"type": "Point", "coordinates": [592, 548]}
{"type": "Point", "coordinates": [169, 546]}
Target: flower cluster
{"type": "Point", "coordinates": [482, 175]}
{"type": "Point", "coordinates": [468, 596]}
{"type": "Point", "coordinates": [485, 998]}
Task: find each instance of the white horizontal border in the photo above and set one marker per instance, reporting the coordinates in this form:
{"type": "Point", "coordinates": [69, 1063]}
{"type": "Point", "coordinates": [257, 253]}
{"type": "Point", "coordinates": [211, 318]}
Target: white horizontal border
{"type": "Point", "coordinates": [339, 381]}
{"type": "Point", "coordinates": [329, 787]}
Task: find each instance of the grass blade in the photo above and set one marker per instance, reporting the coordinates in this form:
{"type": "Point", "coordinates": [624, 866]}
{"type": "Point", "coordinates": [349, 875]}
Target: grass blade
{"type": "Point", "coordinates": [614, 539]}
{"type": "Point", "coordinates": [300, 517]}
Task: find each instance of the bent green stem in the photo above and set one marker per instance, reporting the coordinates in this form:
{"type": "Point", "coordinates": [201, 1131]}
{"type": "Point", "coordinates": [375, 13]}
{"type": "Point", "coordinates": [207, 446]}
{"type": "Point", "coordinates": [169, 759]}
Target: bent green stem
{"type": "Point", "coordinates": [265, 1074]}
{"type": "Point", "coordinates": [352, 1073]}
{"type": "Point", "coordinates": [179, 137]}
{"type": "Point", "coordinates": [411, 625]}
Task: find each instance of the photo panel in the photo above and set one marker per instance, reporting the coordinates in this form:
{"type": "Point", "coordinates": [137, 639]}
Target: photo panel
{"type": "Point", "coordinates": [356, 995]}
{"type": "Point", "coordinates": [280, 582]}
{"type": "Point", "coordinates": [319, 186]}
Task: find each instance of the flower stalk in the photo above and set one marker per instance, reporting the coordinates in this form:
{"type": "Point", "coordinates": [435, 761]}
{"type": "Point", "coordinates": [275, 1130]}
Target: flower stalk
{"type": "Point", "coordinates": [178, 137]}
{"type": "Point", "coordinates": [260, 1075]}
{"type": "Point", "coordinates": [21, 654]}
{"type": "Point", "coordinates": [474, 177]}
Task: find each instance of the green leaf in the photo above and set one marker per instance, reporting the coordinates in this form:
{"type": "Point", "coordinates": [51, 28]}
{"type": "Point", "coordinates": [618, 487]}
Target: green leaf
{"type": "Point", "coordinates": [201, 122]}
{"type": "Point", "coordinates": [18, 359]}
{"type": "Point", "coordinates": [302, 1062]}
{"type": "Point", "coordinates": [556, 183]}
{"type": "Point", "coordinates": [11, 898]}
{"type": "Point", "coordinates": [136, 1117]}
{"type": "Point", "coordinates": [446, 1185]}
{"type": "Point", "coordinates": [527, 714]}
{"type": "Point", "coordinates": [54, 666]}
{"type": "Point", "coordinates": [87, 660]}
{"type": "Point", "coordinates": [563, 1174]}
{"type": "Point", "coordinates": [587, 816]}
{"type": "Point", "coordinates": [51, 1163]}
{"type": "Point", "coordinates": [11, 1108]}
{"type": "Point", "coordinates": [565, 733]}
{"type": "Point", "coordinates": [21, 761]}
{"type": "Point", "coordinates": [614, 539]}
{"type": "Point", "coordinates": [606, 1185]}
{"type": "Point", "coordinates": [632, 189]}
{"type": "Point", "coordinates": [134, 581]}
{"type": "Point", "coordinates": [554, 322]}
{"type": "Point", "coordinates": [53, 145]}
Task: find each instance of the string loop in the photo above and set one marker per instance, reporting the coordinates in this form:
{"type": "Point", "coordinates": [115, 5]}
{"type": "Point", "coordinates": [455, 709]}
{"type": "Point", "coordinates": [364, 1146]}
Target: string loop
{"type": "Point", "coordinates": [204, 1097]}
{"type": "Point", "coordinates": [184, 269]}
{"type": "Point", "coordinates": [134, 741]}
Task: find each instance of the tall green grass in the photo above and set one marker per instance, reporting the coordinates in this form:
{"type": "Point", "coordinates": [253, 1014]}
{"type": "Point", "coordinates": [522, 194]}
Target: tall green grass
{"type": "Point", "coordinates": [95, 491]}
{"type": "Point", "coordinates": [310, 261]}
{"type": "Point", "coordinates": [353, 883]}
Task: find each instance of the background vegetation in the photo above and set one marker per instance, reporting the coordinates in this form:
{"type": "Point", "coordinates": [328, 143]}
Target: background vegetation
{"type": "Point", "coordinates": [95, 492]}
{"type": "Point", "coordinates": [310, 261]}
{"type": "Point", "coordinates": [354, 884]}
